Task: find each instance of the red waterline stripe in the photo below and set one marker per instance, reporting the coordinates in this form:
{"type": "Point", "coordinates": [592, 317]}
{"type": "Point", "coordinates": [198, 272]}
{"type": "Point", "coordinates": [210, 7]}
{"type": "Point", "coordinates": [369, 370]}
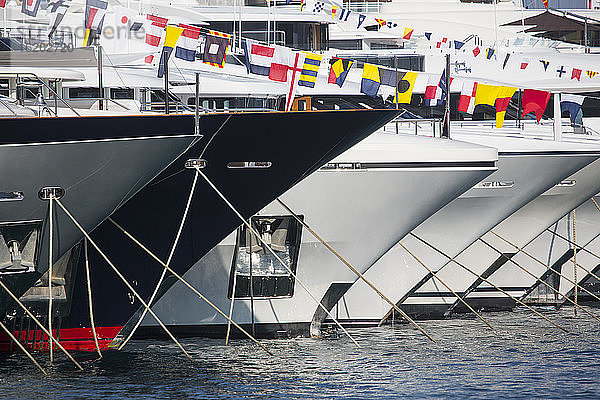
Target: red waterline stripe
{"type": "Point", "coordinates": [75, 339]}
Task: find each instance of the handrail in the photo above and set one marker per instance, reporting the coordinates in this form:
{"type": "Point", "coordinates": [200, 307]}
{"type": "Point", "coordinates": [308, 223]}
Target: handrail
{"type": "Point", "coordinates": [3, 102]}
{"type": "Point", "coordinates": [56, 96]}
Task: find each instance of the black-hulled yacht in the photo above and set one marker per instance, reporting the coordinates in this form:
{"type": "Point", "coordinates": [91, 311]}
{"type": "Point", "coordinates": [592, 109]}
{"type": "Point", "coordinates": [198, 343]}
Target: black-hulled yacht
{"type": "Point", "coordinates": [250, 157]}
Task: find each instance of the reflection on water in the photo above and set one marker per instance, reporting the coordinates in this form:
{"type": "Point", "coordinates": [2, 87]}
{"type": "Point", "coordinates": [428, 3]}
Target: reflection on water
{"type": "Point", "coordinates": [524, 357]}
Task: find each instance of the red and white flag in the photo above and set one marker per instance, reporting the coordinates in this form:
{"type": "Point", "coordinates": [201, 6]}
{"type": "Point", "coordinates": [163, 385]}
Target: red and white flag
{"type": "Point", "coordinates": [443, 43]}
{"type": "Point", "coordinates": [258, 57]}
{"type": "Point", "coordinates": [155, 28]}
{"type": "Point", "coordinates": [432, 94]}
{"type": "Point", "coordinates": [188, 42]}
{"type": "Point", "coordinates": [283, 58]}
{"type": "Point", "coordinates": [524, 63]}
{"type": "Point", "coordinates": [296, 68]}
{"type": "Point", "coordinates": [466, 102]}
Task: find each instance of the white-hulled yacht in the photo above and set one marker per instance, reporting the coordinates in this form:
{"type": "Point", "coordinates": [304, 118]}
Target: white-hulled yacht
{"type": "Point", "coordinates": [555, 247]}
{"type": "Point", "coordinates": [491, 256]}
{"type": "Point", "coordinates": [361, 204]}
{"type": "Point", "coordinates": [526, 168]}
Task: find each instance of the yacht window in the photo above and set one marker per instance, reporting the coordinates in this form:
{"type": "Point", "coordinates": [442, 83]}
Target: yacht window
{"type": "Point", "coordinates": [251, 257]}
{"type": "Point", "coordinates": [4, 87]}
{"type": "Point", "coordinates": [121, 94]}
{"type": "Point", "coordinates": [11, 196]}
{"type": "Point", "coordinates": [84, 93]}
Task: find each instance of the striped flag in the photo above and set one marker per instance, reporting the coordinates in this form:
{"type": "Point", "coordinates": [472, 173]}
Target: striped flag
{"type": "Point", "coordinates": [344, 14]}
{"type": "Point", "coordinates": [95, 10]}
{"type": "Point", "coordinates": [187, 43]}
{"type": "Point", "coordinates": [258, 57]}
{"type": "Point", "coordinates": [310, 69]}
{"type": "Point", "coordinates": [155, 27]}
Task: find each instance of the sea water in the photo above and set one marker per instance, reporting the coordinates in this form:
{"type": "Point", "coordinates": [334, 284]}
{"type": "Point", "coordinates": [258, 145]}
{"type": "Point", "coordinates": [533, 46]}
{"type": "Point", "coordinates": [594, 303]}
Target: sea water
{"type": "Point", "coordinates": [523, 357]}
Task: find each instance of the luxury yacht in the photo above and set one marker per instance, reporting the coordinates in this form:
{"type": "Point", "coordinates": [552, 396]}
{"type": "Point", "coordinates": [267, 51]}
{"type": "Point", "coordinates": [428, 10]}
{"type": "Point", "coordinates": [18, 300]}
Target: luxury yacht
{"type": "Point", "coordinates": [555, 248]}
{"type": "Point", "coordinates": [251, 158]}
{"type": "Point", "coordinates": [491, 256]}
{"type": "Point", "coordinates": [361, 203]}
{"type": "Point", "coordinates": [91, 165]}
{"type": "Point", "coordinates": [526, 168]}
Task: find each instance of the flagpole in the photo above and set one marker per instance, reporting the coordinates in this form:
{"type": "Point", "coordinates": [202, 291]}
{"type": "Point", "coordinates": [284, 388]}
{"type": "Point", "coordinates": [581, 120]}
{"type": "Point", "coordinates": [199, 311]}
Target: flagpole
{"type": "Point", "coordinates": [522, 16]}
{"type": "Point", "coordinates": [446, 128]}
{"type": "Point", "coordinates": [496, 24]}
{"type": "Point", "coordinates": [100, 83]}
{"type": "Point", "coordinates": [166, 76]}
{"type": "Point", "coordinates": [557, 118]}
{"type": "Point", "coordinates": [268, 22]}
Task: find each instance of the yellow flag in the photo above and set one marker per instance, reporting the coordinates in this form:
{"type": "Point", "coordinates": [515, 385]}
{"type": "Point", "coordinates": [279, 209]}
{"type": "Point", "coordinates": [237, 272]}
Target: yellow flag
{"type": "Point", "coordinates": [172, 36]}
{"type": "Point", "coordinates": [504, 95]}
{"type": "Point", "coordinates": [406, 84]}
{"type": "Point", "coordinates": [487, 94]}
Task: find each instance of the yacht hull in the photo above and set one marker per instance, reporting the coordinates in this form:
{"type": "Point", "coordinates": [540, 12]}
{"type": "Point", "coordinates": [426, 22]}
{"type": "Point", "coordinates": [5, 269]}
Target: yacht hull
{"type": "Point", "coordinates": [295, 144]}
{"type": "Point", "coordinates": [361, 213]}
{"type": "Point", "coordinates": [519, 179]}
{"type": "Point", "coordinates": [99, 163]}
{"type": "Point", "coordinates": [499, 262]}
{"type": "Point", "coordinates": [555, 248]}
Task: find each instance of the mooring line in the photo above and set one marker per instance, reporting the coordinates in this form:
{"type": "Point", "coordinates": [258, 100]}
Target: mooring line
{"type": "Point", "coordinates": [487, 281]}
{"type": "Point", "coordinates": [38, 323]}
{"type": "Point", "coordinates": [541, 281]}
{"type": "Point", "coordinates": [583, 248]}
{"type": "Point", "coordinates": [18, 342]}
{"type": "Point", "coordinates": [170, 257]}
{"type": "Point", "coordinates": [135, 293]}
{"type": "Point", "coordinates": [182, 280]}
{"type": "Point", "coordinates": [447, 287]}
{"type": "Point", "coordinates": [351, 267]}
{"type": "Point", "coordinates": [50, 262]}
{"type": "Point", "coordinates": [545, 265]}
{"type": "Point", "coordinates": [232, 300]}
{"type": "Point", "coordinates": [89, 293]}
{"type": "Point", "coordinates": [276, 256]}
{"type": "Point", "coordinates": [575, 289]}
{"type": "Point", "coordinates": [596, 204]}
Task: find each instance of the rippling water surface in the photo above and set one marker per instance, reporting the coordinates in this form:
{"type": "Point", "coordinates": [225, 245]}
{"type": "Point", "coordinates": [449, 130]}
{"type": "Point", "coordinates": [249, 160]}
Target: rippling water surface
{"type": "Point", "coordinates": [524, 357]}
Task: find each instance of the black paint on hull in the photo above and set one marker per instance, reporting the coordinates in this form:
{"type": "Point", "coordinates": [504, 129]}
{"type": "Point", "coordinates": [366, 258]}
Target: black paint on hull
{"type": "Point", "coordinates": [295, 143]}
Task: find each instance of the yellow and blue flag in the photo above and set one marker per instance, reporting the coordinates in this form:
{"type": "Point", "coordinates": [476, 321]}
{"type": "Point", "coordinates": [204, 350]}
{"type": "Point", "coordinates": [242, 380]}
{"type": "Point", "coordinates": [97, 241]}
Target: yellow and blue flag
{"type": "Point", "coordinates": [339, 70]}
{"type": "Point", "coordinates": [374, 77]}
{"type": "Point", "coordinates": [171, 37]}
{"type": "Point", "coordinates": [310, 69]}
{"type": "Point", "coordinates": [371, 80]}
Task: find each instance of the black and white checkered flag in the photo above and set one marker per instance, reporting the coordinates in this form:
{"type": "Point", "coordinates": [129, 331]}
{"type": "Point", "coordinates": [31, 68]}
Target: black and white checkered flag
{"type": "Point", "coordinates": [318, 7]}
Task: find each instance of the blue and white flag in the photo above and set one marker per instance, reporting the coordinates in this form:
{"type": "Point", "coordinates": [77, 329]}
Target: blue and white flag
{"type": "Point", "coordinates": [361, 19]}
{"type": "Point", "coordinates": [30, 7]}
{"type": "Point", "coordinates": [572, 103]}
{"type": "Point", "coordinates": [344, 14]}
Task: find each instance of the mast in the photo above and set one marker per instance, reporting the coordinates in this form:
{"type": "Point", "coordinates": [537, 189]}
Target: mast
{"type": "Point", "coordinates": [557, 118]}
{"type": "Point", "coordinates": [100, 78]}
{"type": "Point", "coordinates": [446, 127]}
